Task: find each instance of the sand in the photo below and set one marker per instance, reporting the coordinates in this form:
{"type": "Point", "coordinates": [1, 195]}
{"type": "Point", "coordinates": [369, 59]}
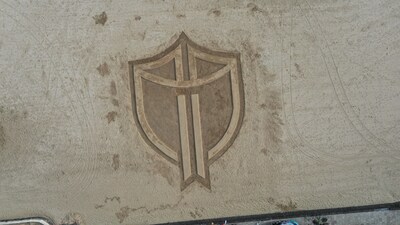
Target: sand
{"type": "Point", "coordinates": [321, 115]}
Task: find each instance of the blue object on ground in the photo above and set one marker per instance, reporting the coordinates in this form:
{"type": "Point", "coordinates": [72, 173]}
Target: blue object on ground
{"type": "Point", "coordinates": [289, 222]}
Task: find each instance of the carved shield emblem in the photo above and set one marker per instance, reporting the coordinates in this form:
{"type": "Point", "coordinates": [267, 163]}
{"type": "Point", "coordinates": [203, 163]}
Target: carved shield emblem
{"type": "Point", "coordinates": [188, 103]}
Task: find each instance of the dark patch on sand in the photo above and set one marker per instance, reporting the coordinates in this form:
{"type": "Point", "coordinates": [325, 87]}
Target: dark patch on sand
{"type": "Point", "coordinates": [2, 136]}
{"type": "Point", "coordinates": [73, 219]}
{"type": "Point", "coordinates": [113, 88]}
{"type": "Point", "coordinates": [115, 102]}
{"type": "Point", "coordinates": [125, 211]}
{"type": "Point", "coordinates": [214, 12]}
{"type": "Point", "coordinates": [98, 206]}
{"type": "Point", "coordinates": [115, 162]}
{"type": "Point", "coordinates": [101, 18]}
{"type": "Point", "coordinates": [298, 70]}
{"type": "Point", "coordinates": [111, 199]}
{"type": "Point", "coordinates": [290, 206]}
{"type": "Point", "coordinates": [254, 8]}
{"type": "Point", "coordinates": [111, 116]}
{"type": "Point", "coordinates": [103, 69]}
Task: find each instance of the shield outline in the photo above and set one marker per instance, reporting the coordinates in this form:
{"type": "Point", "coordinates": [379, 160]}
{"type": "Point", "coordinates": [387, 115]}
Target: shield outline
{"type": "Point", "coordinates": [183, 39]}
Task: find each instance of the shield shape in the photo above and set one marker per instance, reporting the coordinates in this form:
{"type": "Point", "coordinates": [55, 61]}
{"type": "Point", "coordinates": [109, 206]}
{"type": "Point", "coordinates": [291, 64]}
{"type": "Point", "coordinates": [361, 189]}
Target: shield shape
{"type": "Point", "coordinates": [188, 103]}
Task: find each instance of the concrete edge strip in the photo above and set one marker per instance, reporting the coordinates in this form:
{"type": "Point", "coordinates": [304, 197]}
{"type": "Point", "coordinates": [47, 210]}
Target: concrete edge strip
{"type": "Point", "coordinates": [41, 221]}
{"type": "Point", "coordinates": [293, 214]}
{"type": "Point", "coordinates": [272, 216]}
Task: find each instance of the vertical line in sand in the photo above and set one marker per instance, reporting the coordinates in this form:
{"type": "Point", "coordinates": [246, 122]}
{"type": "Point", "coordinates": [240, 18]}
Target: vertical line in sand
{"type": "Point", "coordinates": [184, 134]}
{"type": "Point", "coordinates": [198, 136]}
